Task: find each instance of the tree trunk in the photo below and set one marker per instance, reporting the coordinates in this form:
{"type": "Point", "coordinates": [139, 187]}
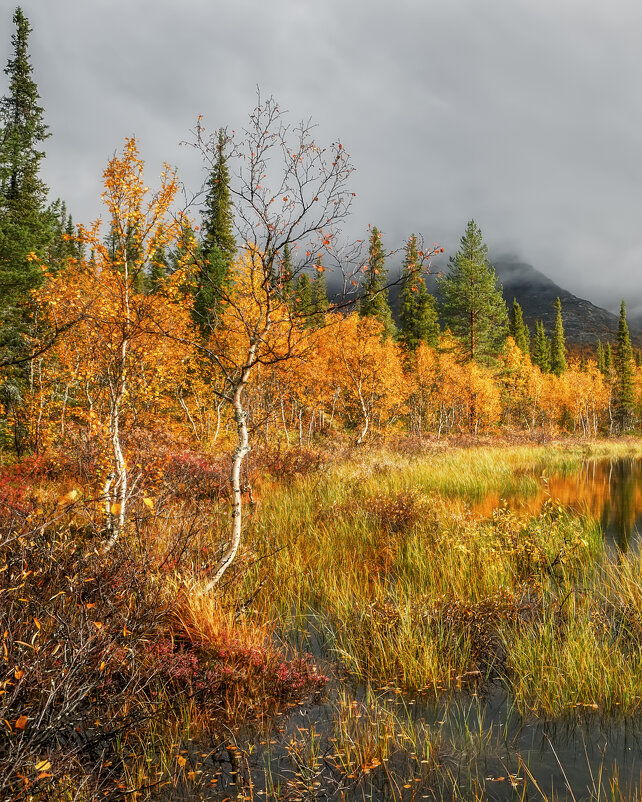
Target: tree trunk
{"type": "Point", "coordinates": [117, 491]}
{"type": "Point", "coordinates": [241, 451]}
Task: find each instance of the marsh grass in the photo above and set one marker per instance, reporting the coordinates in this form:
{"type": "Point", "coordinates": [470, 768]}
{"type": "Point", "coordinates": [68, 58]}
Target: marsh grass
{"type": "Point", "coordinates": [381, 565]}
{"type": "Point", "coordinates": [411, 587]}
{"type": "Point", "coordinates": [586, 652]}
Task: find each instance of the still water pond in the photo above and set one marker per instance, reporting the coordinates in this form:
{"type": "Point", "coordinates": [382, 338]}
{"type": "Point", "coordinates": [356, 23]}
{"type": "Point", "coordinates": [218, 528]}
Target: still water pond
{"type": "Point", "coordinates": [610, 491]}
{"type": "Point", "coordinates": [482, 748]}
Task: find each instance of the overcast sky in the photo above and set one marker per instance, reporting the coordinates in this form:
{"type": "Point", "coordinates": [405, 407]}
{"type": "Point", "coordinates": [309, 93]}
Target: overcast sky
{"type": "Point", "coordinates": [525, 115]}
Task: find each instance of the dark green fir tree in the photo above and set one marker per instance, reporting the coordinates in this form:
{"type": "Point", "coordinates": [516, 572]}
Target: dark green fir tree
{"type": "Point", "coordinates": [319, 295]}
{"type": "Point", "coordinates": [599, 356]}
{"type": "Point", "coordinates": [541, 355]}
{"type": "Point", "coordinates": [186, 254]}
{"type": "Point", "coordinates": [158, 270]}
{"type": "Point", "coordinates": [287, 274]}
{"type": "Point", "coordinates": [558, 343]}
{"type": "Point", "coordinates": [472, 304]}
{"type": "Point", "coordinates": [517, 329]}
{"type": "Point", "coordinates": [608, 362]}
{"type": "Point", "coordinates": [374, 292]}
{"type": "Point", "coordinates": [25, 224]}
{"type": "Point", "coordinates": [418, 321]}
{"type": "Point", "coordinates": [64, 244]}
{"type": "Point", "coordinates": [624, 380]}
{"type": "Point", "coordinates": [303, 300]}
{"type": "Point", "coordinates": [218, 246]}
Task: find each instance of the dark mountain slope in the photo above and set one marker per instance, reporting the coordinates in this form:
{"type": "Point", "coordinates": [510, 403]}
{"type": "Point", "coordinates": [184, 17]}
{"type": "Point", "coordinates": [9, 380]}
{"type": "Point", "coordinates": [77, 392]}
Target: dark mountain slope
{"type": "Point", "coordinates": [584, 323]}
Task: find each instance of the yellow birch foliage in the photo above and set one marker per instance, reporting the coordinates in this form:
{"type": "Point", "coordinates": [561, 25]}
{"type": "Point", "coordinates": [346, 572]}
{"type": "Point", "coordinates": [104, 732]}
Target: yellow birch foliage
{"type": "Point", "coordinates": [118, 336]}
{"type": "Point", "coordinates": [366, 372]}
{"type": "Point", "coordinates": [252, 315]}
{"type": "Point", "coordinates": [456, 396]}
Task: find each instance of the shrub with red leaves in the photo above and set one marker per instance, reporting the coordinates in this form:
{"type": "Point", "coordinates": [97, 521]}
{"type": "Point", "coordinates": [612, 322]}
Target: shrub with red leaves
{"type": "Point", "coordinates": [236, 679]}
{"type": "Point", "coordinates": [196, 475]}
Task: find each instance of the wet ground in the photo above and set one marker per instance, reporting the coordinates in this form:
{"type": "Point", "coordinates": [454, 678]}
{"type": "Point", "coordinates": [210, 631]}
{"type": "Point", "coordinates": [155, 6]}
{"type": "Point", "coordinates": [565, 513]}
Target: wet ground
{"type": "Point", "coordinates": [468, 745]}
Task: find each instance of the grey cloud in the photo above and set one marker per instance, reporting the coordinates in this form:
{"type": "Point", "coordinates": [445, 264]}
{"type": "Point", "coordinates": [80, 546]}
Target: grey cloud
{"type": "Point", "coordinates": [524, 114]}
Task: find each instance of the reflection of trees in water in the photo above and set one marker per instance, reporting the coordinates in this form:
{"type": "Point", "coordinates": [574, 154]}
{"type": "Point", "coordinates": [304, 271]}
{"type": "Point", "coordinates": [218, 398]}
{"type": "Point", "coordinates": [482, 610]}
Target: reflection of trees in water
{"type": "Point", "coordinates": [620, 502]}
{"type": "Point", "coordinates": [608, 490]}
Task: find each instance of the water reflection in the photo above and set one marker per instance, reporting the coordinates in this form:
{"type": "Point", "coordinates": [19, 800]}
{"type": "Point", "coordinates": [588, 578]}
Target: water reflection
{"type": "Point", "coordinates": [609, 490]}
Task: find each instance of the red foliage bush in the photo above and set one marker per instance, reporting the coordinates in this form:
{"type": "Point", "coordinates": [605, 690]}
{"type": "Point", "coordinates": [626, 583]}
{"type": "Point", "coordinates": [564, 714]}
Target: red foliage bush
{"type": "Point", "coordinates": [286, 464]}
{"type": "Point", "coordinates": [234, 675]}
{"type": "Point", "coordinates": [197, 475]}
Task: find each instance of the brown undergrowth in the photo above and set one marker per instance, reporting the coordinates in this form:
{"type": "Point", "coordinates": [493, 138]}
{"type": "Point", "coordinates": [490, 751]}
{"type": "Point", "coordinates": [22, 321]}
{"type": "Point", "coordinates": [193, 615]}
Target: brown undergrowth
{"type": "Point", "coordinates": [103, 657]}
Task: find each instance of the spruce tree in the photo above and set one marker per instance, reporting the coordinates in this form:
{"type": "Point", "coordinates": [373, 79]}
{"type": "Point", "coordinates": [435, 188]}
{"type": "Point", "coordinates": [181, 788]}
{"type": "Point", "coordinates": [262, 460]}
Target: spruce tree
{"type": "Point", "coordinates": [319, 296]}
{"type": "Point", "coordinates": [418, 320]}
{"type": "Point", "coordinates": [427, 326]}
{"type": "Point", "coordinates": [25, 225]}
{"type": "Point", "coordinates": [218, 246]}
{"type": "Point", "coordinates": [472, 303]}
{"type": "Point", "coordinates": [624, 386]}
{"type": "Point", "coordinates": [374, 293]}
{"type": "Point", "coordinates": [558, 344]}
{"type": "Point", "coordinates": [303, 299]}
{"type": "Point", "coordinates": [158, 270]}
{"type": "Point", "coordinates": [608, 362]}
{"type": "Point", "coordinates": [541, 349]}
{"type": "Point", "coordinates": [186, 254]}
{"type": "Point", "coordinates": [64, 244]}
{"type": "Point", "coordinates": [287, 274]}
{"type": "Point", "coordinates": [599, 356]}
{"type": "Point", "coordinates": [517, 329]}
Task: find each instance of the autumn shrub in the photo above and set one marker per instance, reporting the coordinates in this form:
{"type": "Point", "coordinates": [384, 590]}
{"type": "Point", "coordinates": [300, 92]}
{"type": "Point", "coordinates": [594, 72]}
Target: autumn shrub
{"type": "Point", "coordinates": [93, 661]}
{"type": "Point", "coordinates": [188, 473]}
{"type": "Point", "coordinates": [74, 625]}
{"type": "Point", "coordinates": [233, 681]}
{"type": "Point", "coordinates": [18, 478]}
{"type": "Point", "coordinates": [233, 666]}
{"type": "Point", "coordinates": [484, 623]}
{"type": "Point", "coordinates": [286, 464]}
{"type": "Point", "coordinates": [398, 511]}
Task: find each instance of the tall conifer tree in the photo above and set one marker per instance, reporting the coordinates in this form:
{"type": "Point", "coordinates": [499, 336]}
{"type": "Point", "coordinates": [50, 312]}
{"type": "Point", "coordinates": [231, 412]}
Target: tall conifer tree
{"type": "Point", "coordinates": [374, 299]}
{"type": "Point", "coordinates": [303, 299]}
{"type": "Point", "coordinates": [473, 306]}
{"type": "Point", "coordinates": [25, 225]}
{"type": "Point", "coordinates": [159, 269]}
{"type": "Point", "coordinates": [319, 295]}
{"type": "Point", "coordinates": [541, 349]}
{"type": "Point", "coordinates": [558, 343]}
{"type": "Point", "coordinates": [218, 246]}
{"type": "Point", "coordinates": [418, 320]}
{"type": "Point", "coordinates": [624, 386]}
{"type": "Point", "coordinates": [287, 274]}
{"type": "Point", "coordinates": [599, 356]}
{"type": "Point", "coordinates": [517, 329]}
{"type": "Point", "coordinates": [608, 362]}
